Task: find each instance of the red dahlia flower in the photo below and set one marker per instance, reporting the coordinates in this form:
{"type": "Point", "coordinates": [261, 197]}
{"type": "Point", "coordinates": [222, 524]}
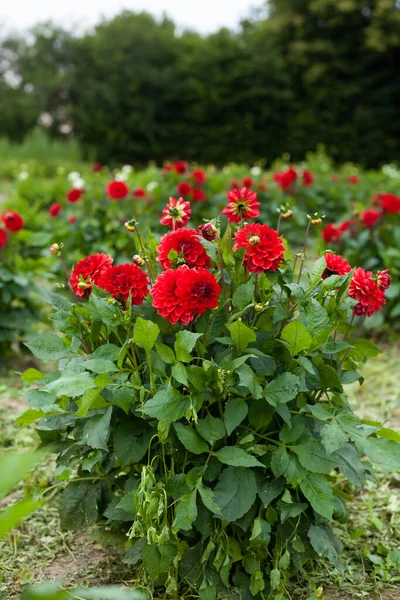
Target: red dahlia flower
{"type": "Point", "coordinates": [55, 209]}
{"type": "Point", "coordinates": [124, 281]}
{"type": "Point", "coordinates": [234, 184]}
{"type": "Point", "coordinates": [183, 294]}
{"type": "Point", "coordinates": [285, 179]}
{"type": "Point", "coordinates": [264, 249]}
{"type": "Point", "coordinates": [117, 190]}
{"type": "Point", "coordinates": [176, 213]}
{"type": "Point", "coordinates": [180, 167]}
{"type": "Point", "coordinates": [199, 176]}
{"type": "Point", "coordinates": [12, 220]}
{"type": "Point", "coordinates": [96, 167]}
{"type": "Point", "coordinates": [308, 178]}
{"type": "Point", "coordinates": [331, 233]}
{"type": "Point", "coordinates": [367, 291]}
{"type": "Point", "coordinates": [184, 188]}
{"type": "Point", "coordinates": [185, 241]}
{"type": "Point", "coordinates": [370, 217]}
{"type": "Point", "coordinates": [243, 204]}
{"type": "Point", "coordinates": [88, 271]}
{"type": "Point", "coordinates": [72, 219]}
{"type": "Point", "coordinates": [262, 186]}
{"type": "Point", "coordinates": [139, 193]}
{"type": "Point", "coordinates": [208, 231]}
{"type": "Point", "coordinates": [335, 265]}
{"type": "Point", "coordinates": [384, 280]}
{"type": "Point", "coordinates": [354, 179]}
{"type": "Point", "coordinates": [3, 238]}
{"type": "Point", "coordinates": [390, 203]}
{"type": "Point", "coordinates": [74, 195]}
{"type": "Point", "coordinates": [247, 182]}
{"type": "Point", "coordinates": [198, 195]}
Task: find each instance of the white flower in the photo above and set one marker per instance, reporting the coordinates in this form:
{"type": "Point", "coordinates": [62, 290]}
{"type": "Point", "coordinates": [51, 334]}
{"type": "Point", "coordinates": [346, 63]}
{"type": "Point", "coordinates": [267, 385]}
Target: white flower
{"type": "Point", "coordinates": [120, 176]}
{"type": "Point", "coordinates": [23, 175]}
{"type": "Point", "coordinates": [255, 171]}
{"type": "Point", "coordinates": [73, 175]}
{"type": "Point", "coordinates": [152, 186]}
{"type": "Point", "coordinates": [391, 171]}
{"type": "Point", "coordinates": [127, 169]}
{"type": "Point", "coordinates": [78, 183]}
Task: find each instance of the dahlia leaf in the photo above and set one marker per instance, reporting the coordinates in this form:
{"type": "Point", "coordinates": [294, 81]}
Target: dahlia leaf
{"type": "Point", "coordinates": [297, 337]}
{"type": "Point", "coordinates": [190, 439]}
{"type": "Point", "coordinates": [317, 491]}
{"type": "Point", "coordinates": [242, 335]}
{"type": "Point", "coordinates": [184, 344]}
{"type": "Point", "coordinates": [145, 334]}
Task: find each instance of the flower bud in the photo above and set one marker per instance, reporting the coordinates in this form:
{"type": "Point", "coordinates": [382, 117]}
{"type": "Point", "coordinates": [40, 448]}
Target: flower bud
{"type": "Point", "coordinates": [254, 240]}
{"type": "Point", "coordinates": [316, 221]}
{"type": "Point", "coordinates": [82, 285]}
{"type": "Point", "coordinates": [258, 307]}
{"type": "Point", "coordinates": [319, 592]}
{"type": "Point", "coordinates": [138, 260]}
{"type": "Point", "coordinates": [208, 231]}
{"type": "Point", "coordinates": [130, 225]}
{"type": "Point", "coordinates": [287, 215]}
{"type": "Point", "coordinates": [55, 249]}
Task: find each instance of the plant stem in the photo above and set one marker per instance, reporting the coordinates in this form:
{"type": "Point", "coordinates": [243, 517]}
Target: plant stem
{"type": "Point", "coordinates": [304, 251]}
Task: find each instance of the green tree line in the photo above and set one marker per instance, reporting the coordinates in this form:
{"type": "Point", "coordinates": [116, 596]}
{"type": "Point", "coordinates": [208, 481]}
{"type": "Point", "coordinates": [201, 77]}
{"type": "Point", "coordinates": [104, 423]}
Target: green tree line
{"type": "Point", "coordinates": [133, 89]}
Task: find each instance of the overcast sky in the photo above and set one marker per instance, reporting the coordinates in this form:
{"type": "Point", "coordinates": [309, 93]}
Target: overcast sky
{"type": "Point", "coordinates": [202, 15]}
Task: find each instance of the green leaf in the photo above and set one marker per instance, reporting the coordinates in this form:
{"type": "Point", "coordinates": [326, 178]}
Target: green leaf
{"type": "Point", "coordinates": [313, 457]}
{"type": "Point", "coordinates": [207, 496]}
{"type": "Point", "coordinates": [243, 295]}
{"type": "Point", "coordinates": [297, 337]}
{"type": "Point", "coordinates": [241, 334]}
{"type": "Point", "coordinates": [107, 351]}
{"type": "Point", "coordinates": [235, 492]}
{"type": "Point", "coordinates": [210, 248]}
{"type": "Point", "coordinates": [166, 353]}
{"type": "Point", "coordinates": [14, 514]}
{"type": "Point", "coordinates": [42, 401]}
{"type": "Point", "coordinates": [211, 429]}
{"type": "Point", "coordinates": [236, 457]}
{"type": "Point", "coordinates": [105, 311]}
{"type": "Point", "coordinates": [167, 405]}
{"type": "Point", "coordinates": [145, 334]}
{"type": "Point", "coordinates": [186, 512]}
{"type": "Point", "coordinates": [282, 389]}
{"type": "Point", "coordinates": [48, 347]}
{"type": "Point", "coordinates": [13, 468]}
{"type": "Point", "coordinates": [316, 271]}
{"type": "Point", "coordinates": [184, 344]}
{"type": "Point", "coordinates": [269, 490]}
{"type": "Point", "coordinates": [279, 462]}
{"type": "Point", "coordinates": [32, 375]}
{"type": "Point", "coordinates": [101, 365]}
{"type": "Point", "coordinates": [325, 544]}
{"type": "Point", "coordinates": [129, 447]}
{"type": "Point", "coordinates": [248, 380]}
{"type": "Point", "coordinates": [235, 412]}
{"type": "Point", "coordinates": [78, 505]}
{"type": "Point", "coordinates": [190, 439]}
{"type": "Point", "coordinates": [226, 247]}
{"type": "Point", "coordinates": [179, 373]}
{"type": "Point", "coordinates": [382, 452]}
{"type": "Point", "coordinates": [275, 579]}
{"type": "Point", "coordinates": [71, 384]}
{"type": "Point", "coordinates": [29, 417]}
{"type": "Point", "coordinates": [333, 437]}
{"type": "Point", "coordinates": [97, 430]}
{"type": "Point", "coordinates": [349, 463]}
{"type": "Point", "coordinates": [317, 491]}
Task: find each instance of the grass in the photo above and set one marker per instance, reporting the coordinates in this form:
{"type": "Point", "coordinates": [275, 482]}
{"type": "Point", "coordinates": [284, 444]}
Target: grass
{"type": "Point", "coordinates": [39, 550]}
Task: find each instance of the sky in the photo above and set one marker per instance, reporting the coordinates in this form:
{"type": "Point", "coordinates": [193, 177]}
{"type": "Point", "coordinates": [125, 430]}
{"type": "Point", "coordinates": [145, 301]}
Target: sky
{"type": "Point", "coordinates": [202, 15]}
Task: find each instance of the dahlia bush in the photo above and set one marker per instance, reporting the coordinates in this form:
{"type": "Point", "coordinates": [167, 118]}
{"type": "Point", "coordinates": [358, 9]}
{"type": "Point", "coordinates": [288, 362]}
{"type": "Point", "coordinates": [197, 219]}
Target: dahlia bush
{"type": "Point", "coordinates": [370, 237]}
{"type": "Point", "coordinates": [199, 404]}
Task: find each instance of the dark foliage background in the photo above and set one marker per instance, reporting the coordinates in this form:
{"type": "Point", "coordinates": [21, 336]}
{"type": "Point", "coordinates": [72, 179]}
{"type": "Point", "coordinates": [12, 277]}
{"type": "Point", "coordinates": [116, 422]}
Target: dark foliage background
{"type": "Point", "coordinates": [302, 73]}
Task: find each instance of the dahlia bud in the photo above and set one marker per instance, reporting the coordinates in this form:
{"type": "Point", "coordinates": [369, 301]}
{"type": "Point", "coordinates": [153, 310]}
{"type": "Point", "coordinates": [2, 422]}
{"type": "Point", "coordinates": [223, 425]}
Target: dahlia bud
{"type": "Point", "coordinates": [130, 225]}
{"type": "Point", "coordinates": [287, 215]}
{"type": "Point", "coordinates": [82, 285]}
{"type": "Point", "coordinates": [55, 249]}
{"type": "Point", "coordinates": [384, 279]}
{"type": "Point", "coordinates": [254, 240]}
{"type": "Point", "coordinates": [138, 260]}
{"type": "Point", "coordinates": [316, 221]}
{"type": "Point", "coordinates": [208, 231]}
{"type": "Point", "coordinates": [258, 307]}
{"type": "Point", "coordinates": [319, 592]}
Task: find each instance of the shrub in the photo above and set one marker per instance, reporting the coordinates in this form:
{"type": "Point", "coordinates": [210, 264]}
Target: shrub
{"type": "Point", "coordinates": [218, 436]}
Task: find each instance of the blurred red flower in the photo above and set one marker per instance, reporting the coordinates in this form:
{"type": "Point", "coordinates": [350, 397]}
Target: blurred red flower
{"type": "Point", "coordinates": [117, 190]}
{"type": "Point", "coordinates": [185, 242]}
{"type": "Point", "coordinates": [198, 195]}
{"type": "Point", "coordinates": [370, 217]}
{"type": "Point", "coordinates": [184, 188]}
{"type": "Point", "coordinates": [354, 179]}
{"type": "Point", "coordinates": [55, 209]}
{"type": "Point", "coordinates": [308, 178]}
{"type": "Point", "coordinates": [72, 219]}
{"type": "Point", "coordinates": [247, 182]}
{"type": "Point", "coordinates": [139, 193]}
{"type": "Point", "coordinates": [3, 238]}
{"type": "Point", "coordinates": [264, 248]}
{"type": "Point", "coordinates": [181, 295]}
{"type": "Point", "coordinates": [12, 220]}
{"type": "Point", "coordinates": [96, 167]}
{"type": "Point", "coordinates": [285, 179]}
{"type": "Point", "coordinates": [199, 176]}
{"type": "Point", "coordinates": [390, 203]}
{"type": "Point", "coordinates": [74, 195]}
